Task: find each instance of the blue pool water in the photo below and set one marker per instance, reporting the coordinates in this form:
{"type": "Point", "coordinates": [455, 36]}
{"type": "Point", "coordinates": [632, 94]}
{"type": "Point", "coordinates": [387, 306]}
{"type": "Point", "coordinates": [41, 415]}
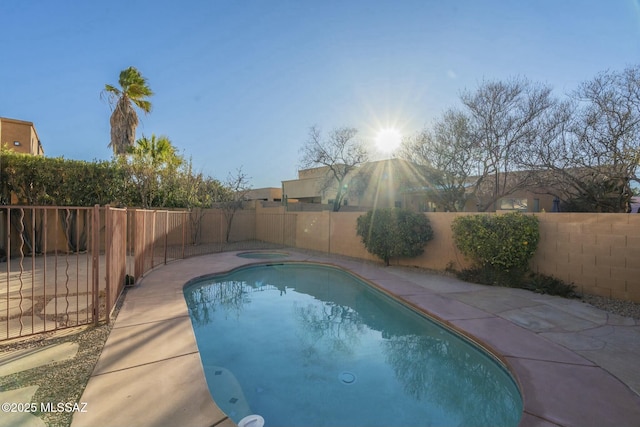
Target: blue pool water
{"type": "Point", "coordinates": [310, 345]}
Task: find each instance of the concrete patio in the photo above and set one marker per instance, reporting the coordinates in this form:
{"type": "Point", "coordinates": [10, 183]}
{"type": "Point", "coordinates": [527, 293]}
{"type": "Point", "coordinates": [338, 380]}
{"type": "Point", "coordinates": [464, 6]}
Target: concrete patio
{"type": "Point", "coordinates": [576, 365]}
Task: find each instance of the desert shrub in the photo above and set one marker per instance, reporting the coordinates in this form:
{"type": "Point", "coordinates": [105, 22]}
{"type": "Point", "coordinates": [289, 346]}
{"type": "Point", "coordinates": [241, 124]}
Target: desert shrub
{"type": "Point", "coordinates": [545, 284]}
{"type": "Point", "coordinates": [489, 276]}
{"type": "Point", "coordinates": [535, 282]}
{"type": "Point", "coordinates": [501, 247]}
{"type": "Point", "coordinates": [502, 243]}
{"type": "Point", "coordinates": [394, 232]}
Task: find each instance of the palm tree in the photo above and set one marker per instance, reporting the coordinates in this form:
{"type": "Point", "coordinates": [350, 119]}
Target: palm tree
{"type": "Point", "coordinates": [158, 152]}
{"type": "Point", "coordinates": [124, 120]}
{"type": "Point", "coordinates": [152, 164]}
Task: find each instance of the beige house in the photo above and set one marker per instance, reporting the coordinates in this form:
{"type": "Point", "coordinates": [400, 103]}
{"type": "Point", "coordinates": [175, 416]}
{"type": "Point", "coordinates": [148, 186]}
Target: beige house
{"type": "Point", "coordinates": [399, 183]}
{"type": "Point", "coordinates": [308, 187]}
{"type": "Point", "coordinates": [532, 199]}
{"type": "Point", "coordinates": [374, 184]}
{"type": "Point", "coordinates": [20, 136]}
{"type": "Point", "coordinates": [267, 194]}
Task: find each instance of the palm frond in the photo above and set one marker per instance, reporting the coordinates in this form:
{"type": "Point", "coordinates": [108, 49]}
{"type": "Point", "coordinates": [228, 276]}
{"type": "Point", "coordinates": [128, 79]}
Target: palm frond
{"type": "Point", "coordinates": [112, 89]}
{"type": "Point", "coordinates": [138, 91]}
{"type": "Point", "coordinates": [143, 105]}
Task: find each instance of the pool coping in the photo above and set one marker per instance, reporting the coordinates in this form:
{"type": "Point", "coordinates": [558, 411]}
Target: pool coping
{"type": "Point", "coordinates": [153, 335]}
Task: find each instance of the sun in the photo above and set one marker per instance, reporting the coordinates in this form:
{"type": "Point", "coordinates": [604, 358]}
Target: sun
{"type": "Point", "coordinates": [388, 139]}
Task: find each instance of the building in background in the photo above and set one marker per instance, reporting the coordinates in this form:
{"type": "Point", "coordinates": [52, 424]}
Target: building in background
{"type": "Point", "coordinates": [400, 183]}
{"type": "Point", "coordinates": [378, 184]}
{"type": "Point", "coordinates": [20, 136]}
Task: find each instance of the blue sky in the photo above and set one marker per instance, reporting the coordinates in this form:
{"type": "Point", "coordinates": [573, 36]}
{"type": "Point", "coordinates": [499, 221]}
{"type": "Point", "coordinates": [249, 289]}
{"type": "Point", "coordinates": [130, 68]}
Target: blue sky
{"type": "Point", "coordinates": [239, 83]}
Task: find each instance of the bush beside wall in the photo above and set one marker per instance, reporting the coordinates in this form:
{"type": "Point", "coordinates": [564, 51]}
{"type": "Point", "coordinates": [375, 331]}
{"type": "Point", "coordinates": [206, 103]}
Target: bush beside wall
{"type": "Point", "coordinates": [392, 232]}
{"type": "Point", "coordinates": [504, 243]}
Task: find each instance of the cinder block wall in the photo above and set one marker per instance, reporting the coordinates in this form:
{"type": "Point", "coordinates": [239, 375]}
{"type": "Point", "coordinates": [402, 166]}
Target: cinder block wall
{"type": "Point", "coordinates": [440, 253]}
{"type": "Point", "coordinates": [599, 253]}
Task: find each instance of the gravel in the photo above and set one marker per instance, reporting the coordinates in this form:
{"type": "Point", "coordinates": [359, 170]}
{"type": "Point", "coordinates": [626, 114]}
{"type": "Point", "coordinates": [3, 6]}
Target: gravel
{"type": "Point", "coordinates": [61, 381]}
{"type": "Point", "coordinates": [615, 306]}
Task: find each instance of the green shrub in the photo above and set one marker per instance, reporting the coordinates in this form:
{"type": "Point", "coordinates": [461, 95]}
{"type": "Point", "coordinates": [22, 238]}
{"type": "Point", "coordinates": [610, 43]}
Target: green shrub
{"type": "Point", "coordinates": [503, 243]}
{"type": "Point", "coordinates": [501, 247]}
{"type": "Point", "coordinates": [394, 232]}
{"type": "Point", "coordinates": [491, 277]}
{"type": "Point", "coordinates": [535, 282]}
{"type": "Point", "coordinates": [544, 284]}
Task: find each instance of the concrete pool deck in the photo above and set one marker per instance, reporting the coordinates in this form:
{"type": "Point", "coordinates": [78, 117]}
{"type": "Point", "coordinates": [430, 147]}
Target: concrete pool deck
{"type": "Point", "coordinates": [576, 365]}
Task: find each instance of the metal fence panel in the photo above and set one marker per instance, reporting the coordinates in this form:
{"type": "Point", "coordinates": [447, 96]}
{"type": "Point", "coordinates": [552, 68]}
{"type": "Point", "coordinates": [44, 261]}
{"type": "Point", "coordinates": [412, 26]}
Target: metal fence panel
{"type": "Point", "coordinates": [49, 280]}
{"type": "Point", "coordinates": [66, 266]}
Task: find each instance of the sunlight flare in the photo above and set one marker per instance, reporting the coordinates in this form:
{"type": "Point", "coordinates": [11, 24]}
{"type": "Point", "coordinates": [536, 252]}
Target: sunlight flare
{"type": "Point", "coordinates": [388, 139]}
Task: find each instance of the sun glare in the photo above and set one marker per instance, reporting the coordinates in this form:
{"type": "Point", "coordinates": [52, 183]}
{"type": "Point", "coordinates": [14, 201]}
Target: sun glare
{"type": "Point", "coordinates": [388, 139]}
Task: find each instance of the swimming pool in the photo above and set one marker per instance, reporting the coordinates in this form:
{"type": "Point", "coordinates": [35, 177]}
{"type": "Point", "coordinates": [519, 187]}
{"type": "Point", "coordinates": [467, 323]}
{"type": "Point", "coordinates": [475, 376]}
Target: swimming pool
{"type": "Point", "coordinates": [311, 345]}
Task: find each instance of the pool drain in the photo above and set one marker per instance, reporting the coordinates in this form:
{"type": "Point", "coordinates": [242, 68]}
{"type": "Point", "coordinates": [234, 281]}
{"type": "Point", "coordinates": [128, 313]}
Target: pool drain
{"type": "Point", "coordinates": [347, 378]}
{"type": "Point", "coordinates": [253, 420]}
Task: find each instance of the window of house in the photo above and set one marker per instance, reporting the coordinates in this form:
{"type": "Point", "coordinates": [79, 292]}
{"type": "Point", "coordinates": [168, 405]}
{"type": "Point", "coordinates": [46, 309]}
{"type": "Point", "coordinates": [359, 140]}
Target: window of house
{"type": "Point", "coordinates": [397, 204]}
{"type": "Point", "coordinates": [427, 206]}
{"type": "Point", "coordinates": [513, 204]}
{"type": "Point", "coordinates": [536, 205]}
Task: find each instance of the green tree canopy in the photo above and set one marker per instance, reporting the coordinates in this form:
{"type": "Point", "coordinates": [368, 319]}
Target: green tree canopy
{"type": "Point", "coordinates": [152, 167]}
{"type": "Point", "coordinates": [38, 180]}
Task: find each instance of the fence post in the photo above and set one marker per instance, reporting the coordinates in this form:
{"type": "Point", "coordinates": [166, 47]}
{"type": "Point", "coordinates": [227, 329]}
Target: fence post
{"type": "Point", "coordinates": [108, 242]}
{"type": "Point", "coordinates": [153, 238]}
{"type": "Point", "coordinates": [184, 231]}
{"type": "Point", "coordinates": [139, 242]}
{"type": "Point", "coordinates": [166, 235]}
{"type": "Point", "coordinates": [329, 234]}
{"type": "Point", "coordinates": [7, 249]}
{"type": "Point", "coordinates": [95, 264]}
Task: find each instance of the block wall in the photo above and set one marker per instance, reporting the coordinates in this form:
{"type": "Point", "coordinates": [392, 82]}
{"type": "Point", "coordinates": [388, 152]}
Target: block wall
{"type": "Point", "coordinates": [599, 253]}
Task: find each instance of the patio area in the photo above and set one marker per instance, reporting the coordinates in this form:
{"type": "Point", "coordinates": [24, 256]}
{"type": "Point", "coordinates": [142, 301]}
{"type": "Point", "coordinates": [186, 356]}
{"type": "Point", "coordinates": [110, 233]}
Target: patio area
{"type": "Point", "coordinates": [576, 365]}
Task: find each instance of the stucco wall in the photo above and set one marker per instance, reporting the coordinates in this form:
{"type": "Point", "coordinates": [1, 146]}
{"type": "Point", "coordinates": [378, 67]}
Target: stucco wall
{"type": "Point", "coordinates": [312, 230]}
{"type": "Point", "coordinates": [22, 132]}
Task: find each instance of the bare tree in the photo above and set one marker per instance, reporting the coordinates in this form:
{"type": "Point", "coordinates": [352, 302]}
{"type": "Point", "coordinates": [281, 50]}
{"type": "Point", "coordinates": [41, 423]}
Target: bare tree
{"type": "Point", "coordinates": [606, 132]}
{"type": "Point", "coordinates": [237, 186]}
{"type": "Point", "coordinates": [341, 153]}
{"type": "Point", "coordinates": [505, 117]}
{"type": "Point", "coordinates": [447, 159]}
{"type": "Point", "coordinates": [592, 148]}
{"type": "Point", "coordinates": [195, 191]}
